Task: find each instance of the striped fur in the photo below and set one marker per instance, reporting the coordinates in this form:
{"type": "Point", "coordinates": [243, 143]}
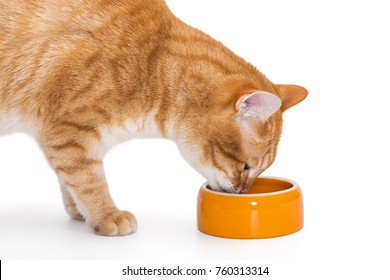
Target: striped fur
{"type": "Point", "coordinates": [84, 75]}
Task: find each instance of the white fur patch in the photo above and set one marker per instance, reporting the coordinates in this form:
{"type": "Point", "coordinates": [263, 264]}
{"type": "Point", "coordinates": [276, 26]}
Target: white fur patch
{"type": "Point", "coordinates": [114, 135]}
{"type": "Point", "coordinates": [216, 179]}
{"type": "Point", "coordinates": [11, 123]}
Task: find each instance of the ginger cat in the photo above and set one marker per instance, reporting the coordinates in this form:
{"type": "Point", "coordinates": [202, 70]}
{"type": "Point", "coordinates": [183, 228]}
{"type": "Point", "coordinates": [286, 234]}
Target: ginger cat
{"type": "Point", "coordinates": [83, 75]}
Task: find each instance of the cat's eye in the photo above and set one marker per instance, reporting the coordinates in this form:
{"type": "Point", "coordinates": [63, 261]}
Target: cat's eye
{"type": "Point", "coordinates": [247, 166]}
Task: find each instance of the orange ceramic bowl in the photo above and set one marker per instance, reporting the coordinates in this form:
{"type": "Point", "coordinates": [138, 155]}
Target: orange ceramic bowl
{"type": "Point", "coordinates": [272, 207]}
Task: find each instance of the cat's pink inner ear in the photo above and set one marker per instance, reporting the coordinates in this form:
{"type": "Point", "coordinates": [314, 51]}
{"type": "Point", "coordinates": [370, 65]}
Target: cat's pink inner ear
{"type": "Point", "coordinates": [260, 105]}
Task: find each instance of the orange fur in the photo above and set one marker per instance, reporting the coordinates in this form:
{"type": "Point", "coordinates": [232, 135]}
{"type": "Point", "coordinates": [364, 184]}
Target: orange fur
{"type": "Point", "coordinates": [80, 74]}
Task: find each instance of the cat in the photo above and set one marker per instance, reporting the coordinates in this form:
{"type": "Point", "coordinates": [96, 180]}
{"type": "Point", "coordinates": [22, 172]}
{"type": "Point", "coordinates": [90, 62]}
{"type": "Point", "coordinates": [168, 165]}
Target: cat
{"type": "Point", "coordinates": [81, 76]}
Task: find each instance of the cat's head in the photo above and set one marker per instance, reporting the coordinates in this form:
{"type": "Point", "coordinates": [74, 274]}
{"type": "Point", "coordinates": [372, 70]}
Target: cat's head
{"type": "Point", "coordinates": [237, 138]}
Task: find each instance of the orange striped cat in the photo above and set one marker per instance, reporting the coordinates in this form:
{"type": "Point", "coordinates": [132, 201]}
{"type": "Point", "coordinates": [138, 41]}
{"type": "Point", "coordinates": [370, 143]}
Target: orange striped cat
{"type": "Point", "coordinates": [83, 75]}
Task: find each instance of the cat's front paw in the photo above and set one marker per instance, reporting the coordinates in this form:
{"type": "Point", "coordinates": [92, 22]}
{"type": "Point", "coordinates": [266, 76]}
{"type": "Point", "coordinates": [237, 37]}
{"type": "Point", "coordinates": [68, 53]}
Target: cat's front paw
{"type": "Point", "coordinates": [118, 223]}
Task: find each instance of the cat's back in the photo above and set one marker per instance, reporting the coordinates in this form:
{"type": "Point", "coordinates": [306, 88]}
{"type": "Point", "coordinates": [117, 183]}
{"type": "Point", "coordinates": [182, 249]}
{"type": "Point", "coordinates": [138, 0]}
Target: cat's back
{"type": "Point", "coordinates": [40, 38]}
{"type": "Point", "coordinates": [25, 18]}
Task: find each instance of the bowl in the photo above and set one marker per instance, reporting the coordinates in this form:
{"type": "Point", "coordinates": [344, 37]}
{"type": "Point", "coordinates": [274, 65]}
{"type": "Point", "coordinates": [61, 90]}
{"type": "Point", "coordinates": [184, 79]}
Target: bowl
{"type": "Point", "coordinates": [272, 207]}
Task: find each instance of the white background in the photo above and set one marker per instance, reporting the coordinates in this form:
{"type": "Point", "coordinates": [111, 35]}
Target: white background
{"type": "Point", "coordinates": [335, 145]}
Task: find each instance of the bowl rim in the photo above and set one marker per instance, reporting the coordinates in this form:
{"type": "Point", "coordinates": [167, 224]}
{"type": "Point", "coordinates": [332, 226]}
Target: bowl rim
{"type": "Point", "coordinates": [294, 187]}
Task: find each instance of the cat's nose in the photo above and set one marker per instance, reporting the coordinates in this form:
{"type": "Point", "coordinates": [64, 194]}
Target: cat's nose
{"type": "Point", "coordinates": [236, 190]}
{"type": "Point", "coordinates": [248, 184]}
{"type": "Point", "coordinates": [242, 188]}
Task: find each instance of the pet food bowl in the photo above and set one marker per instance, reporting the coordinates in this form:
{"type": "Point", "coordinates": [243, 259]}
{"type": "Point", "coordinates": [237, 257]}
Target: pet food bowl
{"type": "Point", "coordinates": [272, 207]}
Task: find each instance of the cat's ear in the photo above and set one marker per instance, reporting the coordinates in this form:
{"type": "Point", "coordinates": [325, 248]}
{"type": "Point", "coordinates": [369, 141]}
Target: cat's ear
{"type": "Point", "coordinates": [291, 95]}
{"type": "Point", "coordinates": [260, 105]}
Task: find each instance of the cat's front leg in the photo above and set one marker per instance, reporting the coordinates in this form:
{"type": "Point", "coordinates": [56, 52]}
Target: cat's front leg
{"type": "Point", "coordinates": [84, 184]}
{"type": "Point", "coordinates": [88, 189]}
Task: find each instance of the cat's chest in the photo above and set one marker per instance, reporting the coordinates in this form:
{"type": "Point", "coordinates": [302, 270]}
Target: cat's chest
{"type": "Point", "coordinates": [112, 135]}
{"type": "Point", "coordinates": [10, 122]}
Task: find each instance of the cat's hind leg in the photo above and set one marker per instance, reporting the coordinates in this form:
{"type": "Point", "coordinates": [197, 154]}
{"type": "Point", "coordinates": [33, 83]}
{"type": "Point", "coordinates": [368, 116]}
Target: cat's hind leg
{"type": "Point", "coordinates": [69, 204]}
